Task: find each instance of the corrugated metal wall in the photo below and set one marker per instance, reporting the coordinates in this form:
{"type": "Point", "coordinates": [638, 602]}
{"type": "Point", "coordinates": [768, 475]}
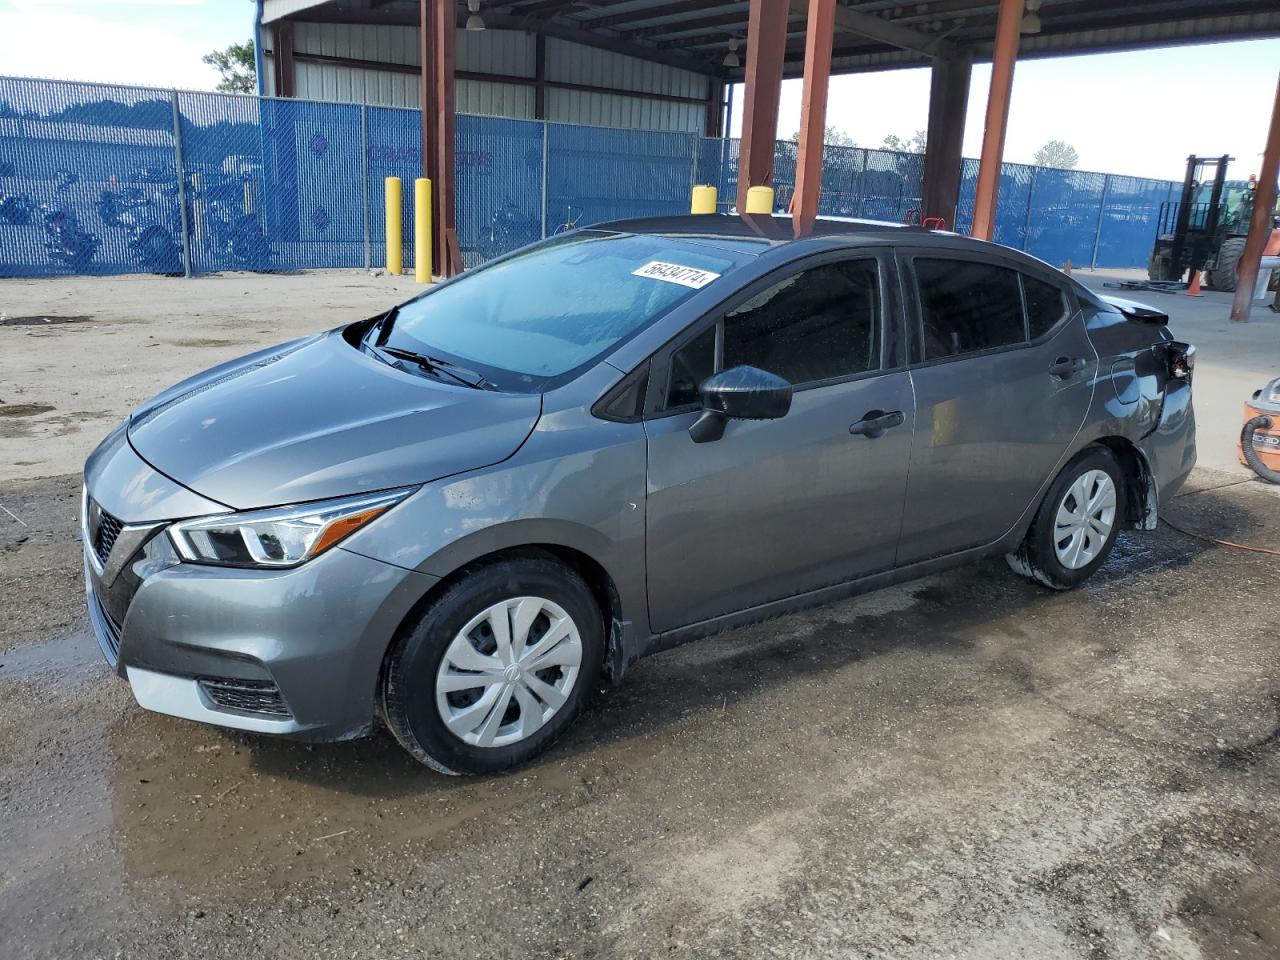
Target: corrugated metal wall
{"type": "Point", "coordinates": [614, 110]}
{"type": "Point", "coordinates": [506, 52]}
{"type": "Point", "coordinates": [574, 63]}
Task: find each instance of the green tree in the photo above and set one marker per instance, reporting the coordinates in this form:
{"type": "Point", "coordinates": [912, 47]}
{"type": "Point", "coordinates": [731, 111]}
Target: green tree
{"type": "Point", "coordinates": [1057, 153]}
{"type": "Point", "coordinates": [832, 137]}
{"type": "Point", "coordinates": [236, 65]}
{"type": "Point", "coordinates": [915, 145]}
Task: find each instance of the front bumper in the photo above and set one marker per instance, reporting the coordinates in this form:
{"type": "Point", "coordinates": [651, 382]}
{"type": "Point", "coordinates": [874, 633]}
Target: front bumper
{"type": "Point", "coordinates": [309, 640]}
{"type": "Point", "coordinates": [294, 651]}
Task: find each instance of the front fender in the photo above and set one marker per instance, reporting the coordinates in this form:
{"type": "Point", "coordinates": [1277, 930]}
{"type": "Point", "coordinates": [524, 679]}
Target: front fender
{"type": "Point", "coordinates": [578, 483]}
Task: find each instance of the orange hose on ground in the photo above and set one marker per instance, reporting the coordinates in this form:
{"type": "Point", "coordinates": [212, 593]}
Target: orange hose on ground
{"type": "Point", "coordinates": [1225, 543]}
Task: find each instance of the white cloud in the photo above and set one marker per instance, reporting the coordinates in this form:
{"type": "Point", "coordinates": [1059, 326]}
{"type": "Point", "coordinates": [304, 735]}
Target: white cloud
{"type": "Point", "coordinates": [1139, 113]}
{"type": "Point", "coordinates": [102, 4]}
{"type": "Point", "coordinates": [48, 40]}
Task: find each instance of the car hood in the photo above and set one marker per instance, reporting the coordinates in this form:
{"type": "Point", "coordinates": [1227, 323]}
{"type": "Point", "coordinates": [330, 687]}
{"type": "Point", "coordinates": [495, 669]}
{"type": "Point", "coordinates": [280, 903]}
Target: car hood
{"type": "Point", "coordinates": [318, 418]}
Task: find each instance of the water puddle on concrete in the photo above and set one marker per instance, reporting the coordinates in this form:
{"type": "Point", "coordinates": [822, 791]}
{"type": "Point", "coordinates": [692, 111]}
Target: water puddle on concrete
{"type": "Point", "coordinates": [69, 659]}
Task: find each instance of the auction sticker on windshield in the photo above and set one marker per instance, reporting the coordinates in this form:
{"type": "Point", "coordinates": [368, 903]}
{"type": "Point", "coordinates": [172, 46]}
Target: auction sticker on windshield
{"type": "Point", "coordinates": [675, 273]}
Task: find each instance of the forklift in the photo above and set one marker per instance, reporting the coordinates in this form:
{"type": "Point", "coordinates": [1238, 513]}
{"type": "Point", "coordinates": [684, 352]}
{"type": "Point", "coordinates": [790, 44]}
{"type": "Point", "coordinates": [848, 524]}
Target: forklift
{"type": "Point", "coordinates": [1206, 229]}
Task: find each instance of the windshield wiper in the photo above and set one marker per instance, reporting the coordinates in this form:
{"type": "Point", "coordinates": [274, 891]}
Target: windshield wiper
{"type": "Point", "coordinates": [382, 326]}
{"type": "Point", "coordinates": [435, 366]}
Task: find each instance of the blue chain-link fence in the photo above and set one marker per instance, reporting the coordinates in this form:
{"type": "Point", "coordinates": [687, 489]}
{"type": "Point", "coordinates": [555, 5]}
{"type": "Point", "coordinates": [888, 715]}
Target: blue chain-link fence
{"type": "Point", "coordinates": [111, 179]}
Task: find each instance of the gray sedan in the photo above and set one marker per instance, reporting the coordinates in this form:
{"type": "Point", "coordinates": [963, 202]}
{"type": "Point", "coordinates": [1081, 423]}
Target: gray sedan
{"type": "Point", "coordinates": [458, 516]}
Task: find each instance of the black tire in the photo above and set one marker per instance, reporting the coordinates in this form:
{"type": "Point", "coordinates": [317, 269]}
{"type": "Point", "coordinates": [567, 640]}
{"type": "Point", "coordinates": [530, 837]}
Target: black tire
{"type": "Point", "coordinates": [409, 673]}
{"type": "Point", "coordinates": [1223, 276]}
{"type": "Point", "coordinates": [1036, 557]}
{"type": "Point", "coordinates": [248, 245]}
{"type": "Point", "coordinates": [160, 252]}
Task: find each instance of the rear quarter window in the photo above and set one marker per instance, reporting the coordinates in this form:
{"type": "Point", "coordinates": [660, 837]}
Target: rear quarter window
{"type": "Point", "coordinates": [967, 307]}
{"type": "Point", "coordinates": [1047, 305]}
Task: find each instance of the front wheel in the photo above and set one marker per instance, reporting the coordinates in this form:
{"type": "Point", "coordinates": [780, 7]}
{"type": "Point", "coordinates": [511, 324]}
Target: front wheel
{"type": "Point", "coordinates": [1223, 276]}
{"type": "Point", "coordinates": [1077, 523]}
{"type": "Point", "coordinates": [496, 668]}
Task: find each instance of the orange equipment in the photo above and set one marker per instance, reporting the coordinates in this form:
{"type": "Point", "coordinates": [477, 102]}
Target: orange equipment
{"type": "Point", "coordinates": [1259, 444]}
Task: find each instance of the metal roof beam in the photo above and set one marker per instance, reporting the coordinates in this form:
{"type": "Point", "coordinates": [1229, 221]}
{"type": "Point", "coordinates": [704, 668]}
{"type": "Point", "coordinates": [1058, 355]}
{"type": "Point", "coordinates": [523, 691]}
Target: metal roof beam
{"type": "Point", "coordinates": [865, 25]}
{"type": "Point", "coordinates": [661, 12]}
{"type": "Point", "coordinates": [704, 24]}
{"type": "Point", "coordinates": [563, 31]}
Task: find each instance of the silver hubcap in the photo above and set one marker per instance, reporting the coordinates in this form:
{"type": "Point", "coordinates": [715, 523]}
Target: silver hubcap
{"type": "Point", "coordinates": [1085, 518]}
{"type": "Point", "coordinates": [508, 671]}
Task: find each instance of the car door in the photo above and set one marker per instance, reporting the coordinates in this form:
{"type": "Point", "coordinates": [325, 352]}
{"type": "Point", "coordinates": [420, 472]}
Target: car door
{"type": "Point", "coordinates": [1000, 396]}
{"type": "Point", "coordinates": [779, 507]}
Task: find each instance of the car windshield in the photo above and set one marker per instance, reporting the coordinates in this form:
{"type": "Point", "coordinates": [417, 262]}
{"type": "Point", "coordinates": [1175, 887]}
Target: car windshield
{"type": "Point", "coordinates": [528, 319]}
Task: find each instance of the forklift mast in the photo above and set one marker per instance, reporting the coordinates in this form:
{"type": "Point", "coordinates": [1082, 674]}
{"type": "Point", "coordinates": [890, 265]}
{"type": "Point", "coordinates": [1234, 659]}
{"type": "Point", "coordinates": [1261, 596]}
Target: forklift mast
{"type": "Point", "coordinates": [1203, 229]}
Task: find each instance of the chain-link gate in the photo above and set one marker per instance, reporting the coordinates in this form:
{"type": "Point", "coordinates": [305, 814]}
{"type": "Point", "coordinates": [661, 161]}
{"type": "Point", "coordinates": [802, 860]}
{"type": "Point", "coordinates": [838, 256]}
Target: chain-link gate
{"type": "Point", "coordinates": [106, 179]}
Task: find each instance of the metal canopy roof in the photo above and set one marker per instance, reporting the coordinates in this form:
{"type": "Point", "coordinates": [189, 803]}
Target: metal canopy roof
{"type": "Point", "coordinates": [870, 34]}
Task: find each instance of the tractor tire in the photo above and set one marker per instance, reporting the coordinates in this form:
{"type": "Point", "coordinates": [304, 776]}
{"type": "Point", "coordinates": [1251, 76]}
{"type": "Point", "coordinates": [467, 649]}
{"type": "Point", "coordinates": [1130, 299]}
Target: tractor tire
{"type": "Point", "coordinates": [1223, 276]}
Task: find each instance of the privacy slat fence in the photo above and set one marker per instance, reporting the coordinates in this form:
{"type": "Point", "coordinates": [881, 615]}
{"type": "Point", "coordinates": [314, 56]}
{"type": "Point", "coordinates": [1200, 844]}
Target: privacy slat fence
{"type": "Point", "coordinates": [106, 179]}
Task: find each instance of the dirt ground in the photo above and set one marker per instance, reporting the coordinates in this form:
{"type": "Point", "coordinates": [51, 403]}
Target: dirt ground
{"type": "Point", "coordinates": [78, 353]}
{"type": "Point", "coordinates": [966, 766]}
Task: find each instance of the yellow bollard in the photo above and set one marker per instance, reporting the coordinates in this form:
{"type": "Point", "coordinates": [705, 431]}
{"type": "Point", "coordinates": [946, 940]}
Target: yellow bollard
{"type": "Point", "coordinates": [422, 230]}
{"type": "Point", "coordinates": [395, 240]}
{"type": "Point", "coordinates": [704, 199]}
{"type": "Point", "coordinates": [760, 200]}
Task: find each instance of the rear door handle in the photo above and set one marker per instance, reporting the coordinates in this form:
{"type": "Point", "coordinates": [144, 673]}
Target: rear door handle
{"type": "Point", "coordinates": [876, 422]}
{"type": "Point", "coordinates": [1066, 367]}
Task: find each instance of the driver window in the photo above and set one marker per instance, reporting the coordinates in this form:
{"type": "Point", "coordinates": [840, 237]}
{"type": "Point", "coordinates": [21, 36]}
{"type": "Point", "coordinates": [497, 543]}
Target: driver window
{"type": "Point", "coordinates": [818, 324]}
{"type": "Point", "coordinates": [690, 365]}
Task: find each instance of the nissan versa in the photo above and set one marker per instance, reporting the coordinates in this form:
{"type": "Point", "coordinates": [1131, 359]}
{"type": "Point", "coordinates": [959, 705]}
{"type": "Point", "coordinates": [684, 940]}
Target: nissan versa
{"type": "Point", "coordinates": [460, 515]}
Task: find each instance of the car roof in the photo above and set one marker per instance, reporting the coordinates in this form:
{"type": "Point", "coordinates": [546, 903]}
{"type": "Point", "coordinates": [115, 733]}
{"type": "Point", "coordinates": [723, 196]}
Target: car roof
{"type": "Point", "coordinates": [763, 228]}
{"type": "Point", "coordinates": [779, 230]}
{"type": "Point", "coordinates": [757, 234]}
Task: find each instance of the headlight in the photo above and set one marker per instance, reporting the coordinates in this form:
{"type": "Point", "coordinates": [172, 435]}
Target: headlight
{"type": "Point", "coordinates": [280, 536]}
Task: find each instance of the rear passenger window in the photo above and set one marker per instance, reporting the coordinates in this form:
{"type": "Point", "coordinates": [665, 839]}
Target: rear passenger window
{"type": "Point", "coordinates": [967, 307]}
{"type": "Point", "coordinates": [1046, 305]}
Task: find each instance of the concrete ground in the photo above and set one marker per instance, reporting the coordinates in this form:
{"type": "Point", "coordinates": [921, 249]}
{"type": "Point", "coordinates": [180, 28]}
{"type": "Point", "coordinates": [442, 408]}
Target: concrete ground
{"type": "Point", "coordinates": [1232, 359]}
{"type": "Point", "coordinates": [966, 766]}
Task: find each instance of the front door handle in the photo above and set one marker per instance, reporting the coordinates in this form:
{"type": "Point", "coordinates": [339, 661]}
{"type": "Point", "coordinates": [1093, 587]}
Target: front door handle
{"type": "Point", "coordinates": [876, 422]}
{"type": "Point", "coordinates": [1065, 368]}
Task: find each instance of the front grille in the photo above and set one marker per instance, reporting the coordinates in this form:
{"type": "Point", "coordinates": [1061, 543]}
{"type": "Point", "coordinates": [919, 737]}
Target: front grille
{"type": "Point", "coordinates": [108, 529]}
{"type": "Point", "coordinates": [245, 696]}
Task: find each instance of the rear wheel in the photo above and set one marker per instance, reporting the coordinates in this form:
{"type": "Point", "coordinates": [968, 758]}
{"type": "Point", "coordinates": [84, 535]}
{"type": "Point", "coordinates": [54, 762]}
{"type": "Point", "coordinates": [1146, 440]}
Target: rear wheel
{"type": "Point", "coordinates": [496, 668]}
{"type": "Point", "coordinates": [1077, 523]}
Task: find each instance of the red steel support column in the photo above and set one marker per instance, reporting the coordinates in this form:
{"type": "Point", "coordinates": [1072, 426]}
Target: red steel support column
{"type": "Point", "coordinates": [948, 104]}
{"type": "Point", "coordinates": [715, 108]}
{"type": "Point", "coordinates": [540, 76]}
{"type": "Point", "coordinates": [819, 31]}
{"type": "Point", "coordinates": [1008, 33]}
{"type": "Point", "coordinates": [766, 49]}
{"type": "Point", "coordinates": [282, 59]}
{"type": "Point", "coordinates": [1264, 202]}
{"type": "Point", "coordinates": [436, 45]}
{"type": "Point", "coordinates": [427, 88]}
{"type": "Point", "coordinates": [448, 253]}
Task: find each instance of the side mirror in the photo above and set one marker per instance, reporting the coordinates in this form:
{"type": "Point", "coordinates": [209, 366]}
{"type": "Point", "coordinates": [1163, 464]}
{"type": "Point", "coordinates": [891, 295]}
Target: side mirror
{"type": "Point", "coordinates": [743, 393]}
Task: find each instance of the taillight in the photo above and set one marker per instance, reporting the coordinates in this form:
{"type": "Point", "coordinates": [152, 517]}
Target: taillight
{"type": "Point", "coordinates": [1182, 360]}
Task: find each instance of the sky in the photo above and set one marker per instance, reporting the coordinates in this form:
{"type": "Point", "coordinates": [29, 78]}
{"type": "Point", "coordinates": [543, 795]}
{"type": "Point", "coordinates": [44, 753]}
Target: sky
{"type": "Point", "coordinates": [1137, 113]}
{"type": "Point", "coordinates": [145, 42]}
